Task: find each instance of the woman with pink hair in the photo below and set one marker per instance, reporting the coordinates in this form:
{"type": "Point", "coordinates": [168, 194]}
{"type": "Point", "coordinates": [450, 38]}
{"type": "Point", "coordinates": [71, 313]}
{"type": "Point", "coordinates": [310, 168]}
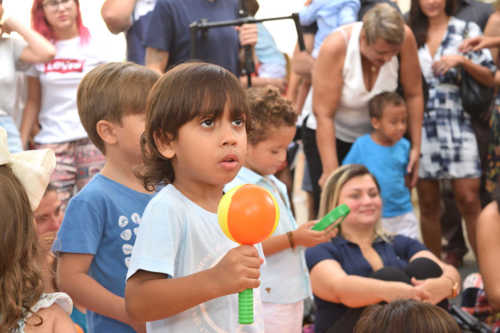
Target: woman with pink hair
{"type": "Point", "coordinates": [51, 110]}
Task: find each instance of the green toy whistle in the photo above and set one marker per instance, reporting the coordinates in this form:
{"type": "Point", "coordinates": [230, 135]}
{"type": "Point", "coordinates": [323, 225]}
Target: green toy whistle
{"type": "Point", "coordinates": [339, 212]}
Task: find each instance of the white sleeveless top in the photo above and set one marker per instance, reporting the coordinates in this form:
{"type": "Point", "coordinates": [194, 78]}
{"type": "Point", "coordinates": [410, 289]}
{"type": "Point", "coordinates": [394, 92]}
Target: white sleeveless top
{"type": "Point", "coordinates": [46, 301]}
{"type": "Point", "coordinates": [351, 118]}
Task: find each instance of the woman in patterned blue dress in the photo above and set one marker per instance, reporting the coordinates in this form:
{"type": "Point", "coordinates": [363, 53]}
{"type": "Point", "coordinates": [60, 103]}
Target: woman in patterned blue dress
{"type": "Point", "coordinates": [449, 149]}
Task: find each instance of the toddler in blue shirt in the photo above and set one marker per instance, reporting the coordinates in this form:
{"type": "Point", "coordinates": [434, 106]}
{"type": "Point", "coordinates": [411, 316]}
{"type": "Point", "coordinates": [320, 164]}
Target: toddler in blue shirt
{"type": "Point", "coordinates": [385, 152]}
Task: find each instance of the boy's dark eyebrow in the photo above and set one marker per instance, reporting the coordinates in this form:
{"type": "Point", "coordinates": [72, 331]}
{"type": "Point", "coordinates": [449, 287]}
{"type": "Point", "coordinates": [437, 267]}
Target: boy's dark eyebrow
{"type": "Point", "coordinates": [207, 114]}
{"type": "Point", "coordinates": [210, 110]}
{"type": "Point", "coordinates": [216, 113]}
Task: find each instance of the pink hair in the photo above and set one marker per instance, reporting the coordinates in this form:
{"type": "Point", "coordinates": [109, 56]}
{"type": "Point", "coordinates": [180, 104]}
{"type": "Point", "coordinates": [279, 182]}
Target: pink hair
{"type": "Point", "coordinates": [40, 24]}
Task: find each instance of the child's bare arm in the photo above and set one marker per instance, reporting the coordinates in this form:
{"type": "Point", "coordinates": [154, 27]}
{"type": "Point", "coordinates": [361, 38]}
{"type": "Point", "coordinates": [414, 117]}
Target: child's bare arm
{"type": "Point", "coordinates": [62, 321]}
{"type": "Point", "coordinates": [73, 278]}
{"type": "Point", "coordinates": [152, 296]}
{"type": "Point", "coordinates": [302, 236]}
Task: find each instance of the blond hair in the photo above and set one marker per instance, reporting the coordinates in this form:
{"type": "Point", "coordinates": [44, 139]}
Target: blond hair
{"type": "Point", "coordinates": [334, 185]}
{"type": "Point", "coordinates": [385, 22]}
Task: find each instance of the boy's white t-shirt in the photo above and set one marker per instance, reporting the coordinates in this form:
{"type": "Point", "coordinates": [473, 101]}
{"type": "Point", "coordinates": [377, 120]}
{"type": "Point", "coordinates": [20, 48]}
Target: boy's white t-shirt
{"type": "Point", "coordinates": [59, 80]}
{"type": "Point", "coordinates": [178, 238]}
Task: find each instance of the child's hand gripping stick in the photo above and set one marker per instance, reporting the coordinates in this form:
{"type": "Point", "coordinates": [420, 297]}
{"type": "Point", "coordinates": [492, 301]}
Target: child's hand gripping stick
{"type": "Point", "coordinates": [339, 212]}
{"type": "Point", "coordinates": [248, 214]}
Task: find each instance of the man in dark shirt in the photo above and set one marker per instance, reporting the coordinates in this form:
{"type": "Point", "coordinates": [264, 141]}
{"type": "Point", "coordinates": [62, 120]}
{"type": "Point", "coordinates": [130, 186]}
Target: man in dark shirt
{"type": "Point", "coordinates": [168, 35]}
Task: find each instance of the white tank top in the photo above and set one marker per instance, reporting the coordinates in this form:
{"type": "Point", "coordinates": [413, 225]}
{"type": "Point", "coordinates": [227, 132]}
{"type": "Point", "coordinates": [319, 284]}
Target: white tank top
{"type": "Point", "coordinates": [352, 119]}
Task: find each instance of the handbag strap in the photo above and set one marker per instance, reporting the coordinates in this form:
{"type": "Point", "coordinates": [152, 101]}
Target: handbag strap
{"type": "Point", "coordinates": [465, 35]}
{"type": "Point", "coordinates": [461, 69]}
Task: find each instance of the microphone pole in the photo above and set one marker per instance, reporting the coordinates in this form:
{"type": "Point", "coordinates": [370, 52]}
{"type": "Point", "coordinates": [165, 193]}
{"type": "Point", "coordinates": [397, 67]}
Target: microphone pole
{"type": "Point", "coordinates": [203, 26]}
{"type": "Point", "coordinates": [249, 63]}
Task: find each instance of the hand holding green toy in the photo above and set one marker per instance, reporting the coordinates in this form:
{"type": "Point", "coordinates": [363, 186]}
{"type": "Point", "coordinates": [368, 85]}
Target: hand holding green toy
{"type": "Point", "coordinates": [336, 215]}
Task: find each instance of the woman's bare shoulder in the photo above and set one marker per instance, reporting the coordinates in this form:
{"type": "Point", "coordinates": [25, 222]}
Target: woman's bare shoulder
{"type": "Point", "coordinates": [409, 36]}
{"type": "Point", "coordinates": [494, 19]}
{"type": "Point", "coordinates": [336, 43]}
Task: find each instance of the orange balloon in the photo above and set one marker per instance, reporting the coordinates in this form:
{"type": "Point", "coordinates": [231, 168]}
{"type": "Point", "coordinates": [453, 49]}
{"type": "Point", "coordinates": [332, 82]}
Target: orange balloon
{"type": "Point", "coordinates": [248, 214]}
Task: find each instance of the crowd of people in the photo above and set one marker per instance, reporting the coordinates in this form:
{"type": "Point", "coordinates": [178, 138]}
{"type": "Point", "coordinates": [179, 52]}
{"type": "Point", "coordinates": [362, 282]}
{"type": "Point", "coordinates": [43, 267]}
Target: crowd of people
{"type": "Point", "coordinates": [110, 185]}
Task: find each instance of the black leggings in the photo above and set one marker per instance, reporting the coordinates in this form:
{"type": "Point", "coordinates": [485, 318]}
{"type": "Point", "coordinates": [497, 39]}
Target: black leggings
{"type": "Point", "coordinates": [420, 268]}
{"type": "Point", "coordinates": [313, 160]}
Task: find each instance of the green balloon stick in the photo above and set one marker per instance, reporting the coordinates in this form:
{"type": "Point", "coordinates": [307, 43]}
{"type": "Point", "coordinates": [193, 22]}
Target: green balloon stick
{"type": "Point", "coordinates": [245, 307]}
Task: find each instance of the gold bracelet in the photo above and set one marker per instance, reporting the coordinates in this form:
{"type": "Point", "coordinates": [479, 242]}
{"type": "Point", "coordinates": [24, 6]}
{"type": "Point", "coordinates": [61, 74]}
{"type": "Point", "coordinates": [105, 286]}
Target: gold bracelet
{"type": "Point", "coordinates": [290, 240]}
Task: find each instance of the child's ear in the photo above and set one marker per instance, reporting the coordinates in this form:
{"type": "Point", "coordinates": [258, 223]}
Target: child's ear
{"type": "Point", "coordinates": [375, 122]}
{"type": "Point", "coordinates": [165, 145]}
{"type": "Point", "coordinates": [106, 130]}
